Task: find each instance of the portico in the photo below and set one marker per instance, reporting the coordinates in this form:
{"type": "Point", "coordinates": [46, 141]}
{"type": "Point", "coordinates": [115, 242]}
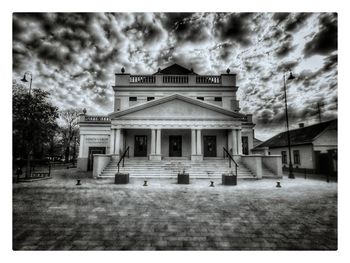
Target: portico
{"type": "Point", "coordinates": [175, 126]}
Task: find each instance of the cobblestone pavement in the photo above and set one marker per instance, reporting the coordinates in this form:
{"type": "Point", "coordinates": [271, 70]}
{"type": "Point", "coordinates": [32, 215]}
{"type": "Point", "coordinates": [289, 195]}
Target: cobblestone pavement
{"type": "Point", "coordinates": [56, 214]}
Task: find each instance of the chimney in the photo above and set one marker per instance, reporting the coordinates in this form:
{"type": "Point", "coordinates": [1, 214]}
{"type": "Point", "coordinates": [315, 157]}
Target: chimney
{"type": "Point", "coordinates": [301, 125]}
{"type": "Point", "coordinates": [249, 117]}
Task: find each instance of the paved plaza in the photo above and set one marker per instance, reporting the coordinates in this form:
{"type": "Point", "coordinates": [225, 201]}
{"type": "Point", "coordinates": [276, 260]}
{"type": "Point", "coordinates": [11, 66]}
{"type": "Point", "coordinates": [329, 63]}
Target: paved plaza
{"type": "Point", "coordinates": [56, 214]}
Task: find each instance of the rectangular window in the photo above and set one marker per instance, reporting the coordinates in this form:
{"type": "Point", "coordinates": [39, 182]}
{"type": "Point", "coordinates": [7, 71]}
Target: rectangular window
{"type": "Point", "coordinates": [132, 98]}
{"type": "Point", "coordinates": [218, 99]}
{"type": "Point", "coordinates": [296, 157]}
{"type": "Point", "coordinates": [284, 157]}
{"type": "Point", "coordinates": [245, 147]}
{"type": "Point", "coordinates": [200, 98]}
{"type": "Point", "coordinates": [150, 98]}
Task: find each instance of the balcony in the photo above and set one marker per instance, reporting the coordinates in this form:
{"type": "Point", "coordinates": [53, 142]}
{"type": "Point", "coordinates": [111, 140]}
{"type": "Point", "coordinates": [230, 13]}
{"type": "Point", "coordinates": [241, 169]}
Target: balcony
{"type": "Point", "coordinates": [208, 79]}
{"type": "Point", "coordinates": [146, 79]}
{"type": "Point", "coordinates": [94, 119]}
{"type": "Point", "coordinates": [175, 79]}
{"type": "Point", "coordinates": [224, 80]}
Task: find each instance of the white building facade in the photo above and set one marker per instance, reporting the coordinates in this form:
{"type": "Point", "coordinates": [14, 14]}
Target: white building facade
{"type": "Point", "coordinates": [174, 113]}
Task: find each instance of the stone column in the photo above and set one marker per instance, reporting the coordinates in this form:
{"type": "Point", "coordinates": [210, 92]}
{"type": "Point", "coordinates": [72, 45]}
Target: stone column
{"type": "Point", "coordinates": [155, 145]}
{"type": "Point", "coordinates": [196, 144]}
{"type": "Point", "coordinates": [82, 162]}
{"type": "Point", "coordinates": [122, 145]}
{"type": "Point", "coordinates": [153, 142]}
{"type": "Point", "coordinates": [199, 142]}
{"type": "Point", "coordinates": [239, 142]}
{"type": "Point", "coordinates": [229, 140]}
{"type": "Point", "coordinates": [193, 142]}
{"type": "Point", "coordinates": [250, 141]}
{"type": "Point", "coordinates": [111, 141]}
{"type": "Point", "coordinates": [158, 146]}
{"type": "Point", "coordinates": [81, 145]}
{"type": "Point", "coordinates": [234, 142]}
{"type": "Point", "coordinates": [117, 144]}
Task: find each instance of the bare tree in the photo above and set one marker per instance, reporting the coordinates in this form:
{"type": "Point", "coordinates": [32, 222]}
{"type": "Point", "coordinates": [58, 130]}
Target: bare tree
{"type": "Point", "coordinates": [69, 129]}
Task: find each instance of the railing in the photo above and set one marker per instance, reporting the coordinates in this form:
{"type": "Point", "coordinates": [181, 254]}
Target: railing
{"type": "Point", "coordinates": [147, 79]}
{"type": "Point", "coordinates": [37, 169]}
{"type": "Point", "coordinates": [177, 79]}
{"type": "Point", "coordinates": [208, 79]}
{"type": "Point", "coordinates": [123, 157]}
{"type": "Point", "coordinates": [230, 158]}
{"type": "Point", "coordinates": [96, 118]}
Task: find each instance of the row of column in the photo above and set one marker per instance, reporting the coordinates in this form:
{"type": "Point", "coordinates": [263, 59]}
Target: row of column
{"type": "Point", "coordinates": [235, 142]}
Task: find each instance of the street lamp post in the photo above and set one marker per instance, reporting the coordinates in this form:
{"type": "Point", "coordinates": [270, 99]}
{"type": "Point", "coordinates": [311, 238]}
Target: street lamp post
{"type": "Point", "coordinates": [24, 79]}
{"type": "Point", "coordinates": [290, 175]}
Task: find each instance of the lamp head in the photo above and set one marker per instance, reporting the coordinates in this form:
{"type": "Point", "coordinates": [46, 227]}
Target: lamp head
{"type": "Point", "coordinates": [291, 76]}
{"type": "Point", "coordinates": [24, 78]}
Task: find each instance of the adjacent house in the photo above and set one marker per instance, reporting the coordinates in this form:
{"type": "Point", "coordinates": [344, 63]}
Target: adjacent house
{"type": "Point", "coordinates": [313, 148]}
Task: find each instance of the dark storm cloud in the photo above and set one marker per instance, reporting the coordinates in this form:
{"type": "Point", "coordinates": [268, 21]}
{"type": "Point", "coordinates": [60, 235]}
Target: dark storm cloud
{"type": "Point", "coordinates": [279, 17]}
{"type": "Point", "coordinates": [326, 39]}
{"type": "Point", "coordinates": [286, 66]}
{"type": "Point", "coordinates": [225, 50]}
{"type": "Point", "coordinates": [285, 49]}
{"type": "Point", "coordinates": [295, 21]}
{"type": "Point", "coordinates": [171, 20]}
{"type": "Point", "coordinates": [54, 52]}
{"type": "Point", "coordinates": [150, 31]}
{"type": "Point", "coordinates": [307, 78]}
{"type": "Point", "coordinates": [330, 63]}
{"type": "Point", "coordinates": [277, 116]}
{"type": "Point", "coordinates": [235, 27]}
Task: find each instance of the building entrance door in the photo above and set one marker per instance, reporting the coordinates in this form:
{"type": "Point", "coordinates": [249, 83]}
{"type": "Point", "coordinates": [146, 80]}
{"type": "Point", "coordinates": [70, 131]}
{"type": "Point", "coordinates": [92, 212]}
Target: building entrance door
{"type": "Point", "coordinates": [209, 146]}
{"type": "Point", "coordinates": [245, 147]}
{"type": "Point", "coordinates": [175, 146]}
{"type": "Point", "coordinates": [140, 149]}
{"type": "Point", "coordinates": [92, 151]}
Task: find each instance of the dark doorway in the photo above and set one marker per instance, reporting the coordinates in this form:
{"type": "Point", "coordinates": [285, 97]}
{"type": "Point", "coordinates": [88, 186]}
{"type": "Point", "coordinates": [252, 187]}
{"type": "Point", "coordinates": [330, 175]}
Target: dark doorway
{"type": "Point", "coordinates": [322, 163]}
{"type": "Point", "coordinates": [92, 151]}
{"type": "Point", "coordinates": [245, 149]}
{"type": "Point", "coordinates": [140, 149]}
{"type": "Point", "coordinates": [175, 146]}
{"type": "Point", "coordinates": [209, 146]}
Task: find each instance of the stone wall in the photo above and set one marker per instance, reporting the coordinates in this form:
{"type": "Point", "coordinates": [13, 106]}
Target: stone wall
{"type": "Point", "coordinates": [100, 162]}
{"type": "Point", "coordinates": [274, 163]}
{"type": "Point", "coordinates": [254, 164]}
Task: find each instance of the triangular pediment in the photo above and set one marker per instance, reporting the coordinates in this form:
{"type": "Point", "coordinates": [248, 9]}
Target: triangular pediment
{"type": "Point", "coordinates": [176, 107]}
{"type": "Point", "coordinates": [176, 69]}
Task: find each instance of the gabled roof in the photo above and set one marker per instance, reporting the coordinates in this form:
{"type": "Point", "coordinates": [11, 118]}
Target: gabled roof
{"type": "Point", "coordinates": [176, 69]}
{"type": "Point", "coordinates": [299, 136]}
{"type": "Point", "coordinates": [256, 141]}
{"type": "Point", "coordinates": [153, 103]}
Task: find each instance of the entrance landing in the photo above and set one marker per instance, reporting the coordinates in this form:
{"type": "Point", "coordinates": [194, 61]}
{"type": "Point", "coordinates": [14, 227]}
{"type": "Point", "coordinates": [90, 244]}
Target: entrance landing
{"type": "Point", "coordinates": [169, 168]}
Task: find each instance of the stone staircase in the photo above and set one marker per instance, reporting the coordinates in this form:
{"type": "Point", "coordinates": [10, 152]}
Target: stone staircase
{"type": "Point", "coordinates": [169, 168]}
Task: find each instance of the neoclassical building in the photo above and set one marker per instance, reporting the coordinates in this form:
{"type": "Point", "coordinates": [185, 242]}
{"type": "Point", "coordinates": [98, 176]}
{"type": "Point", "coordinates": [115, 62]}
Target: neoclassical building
{"type": "Point", "coordinates": [174, 113]}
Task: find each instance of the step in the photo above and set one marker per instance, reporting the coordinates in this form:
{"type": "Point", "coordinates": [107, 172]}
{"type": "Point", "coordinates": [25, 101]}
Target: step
{"type": "Point", "coordinates": [169, 168]}
{"type": "Point", "coordinates": [174, 177]}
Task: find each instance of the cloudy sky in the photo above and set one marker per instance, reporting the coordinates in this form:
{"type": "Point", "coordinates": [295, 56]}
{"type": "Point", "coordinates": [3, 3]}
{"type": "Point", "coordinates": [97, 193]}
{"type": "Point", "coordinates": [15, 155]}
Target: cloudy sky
{"type": "Point", "coordinates": [75, 56]}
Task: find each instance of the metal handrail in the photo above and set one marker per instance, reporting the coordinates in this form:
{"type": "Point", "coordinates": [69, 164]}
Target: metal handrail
{"type": "Point", "coordinates": [230, 158]}
{"type": "Point", "coordinates": [123, 157]}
